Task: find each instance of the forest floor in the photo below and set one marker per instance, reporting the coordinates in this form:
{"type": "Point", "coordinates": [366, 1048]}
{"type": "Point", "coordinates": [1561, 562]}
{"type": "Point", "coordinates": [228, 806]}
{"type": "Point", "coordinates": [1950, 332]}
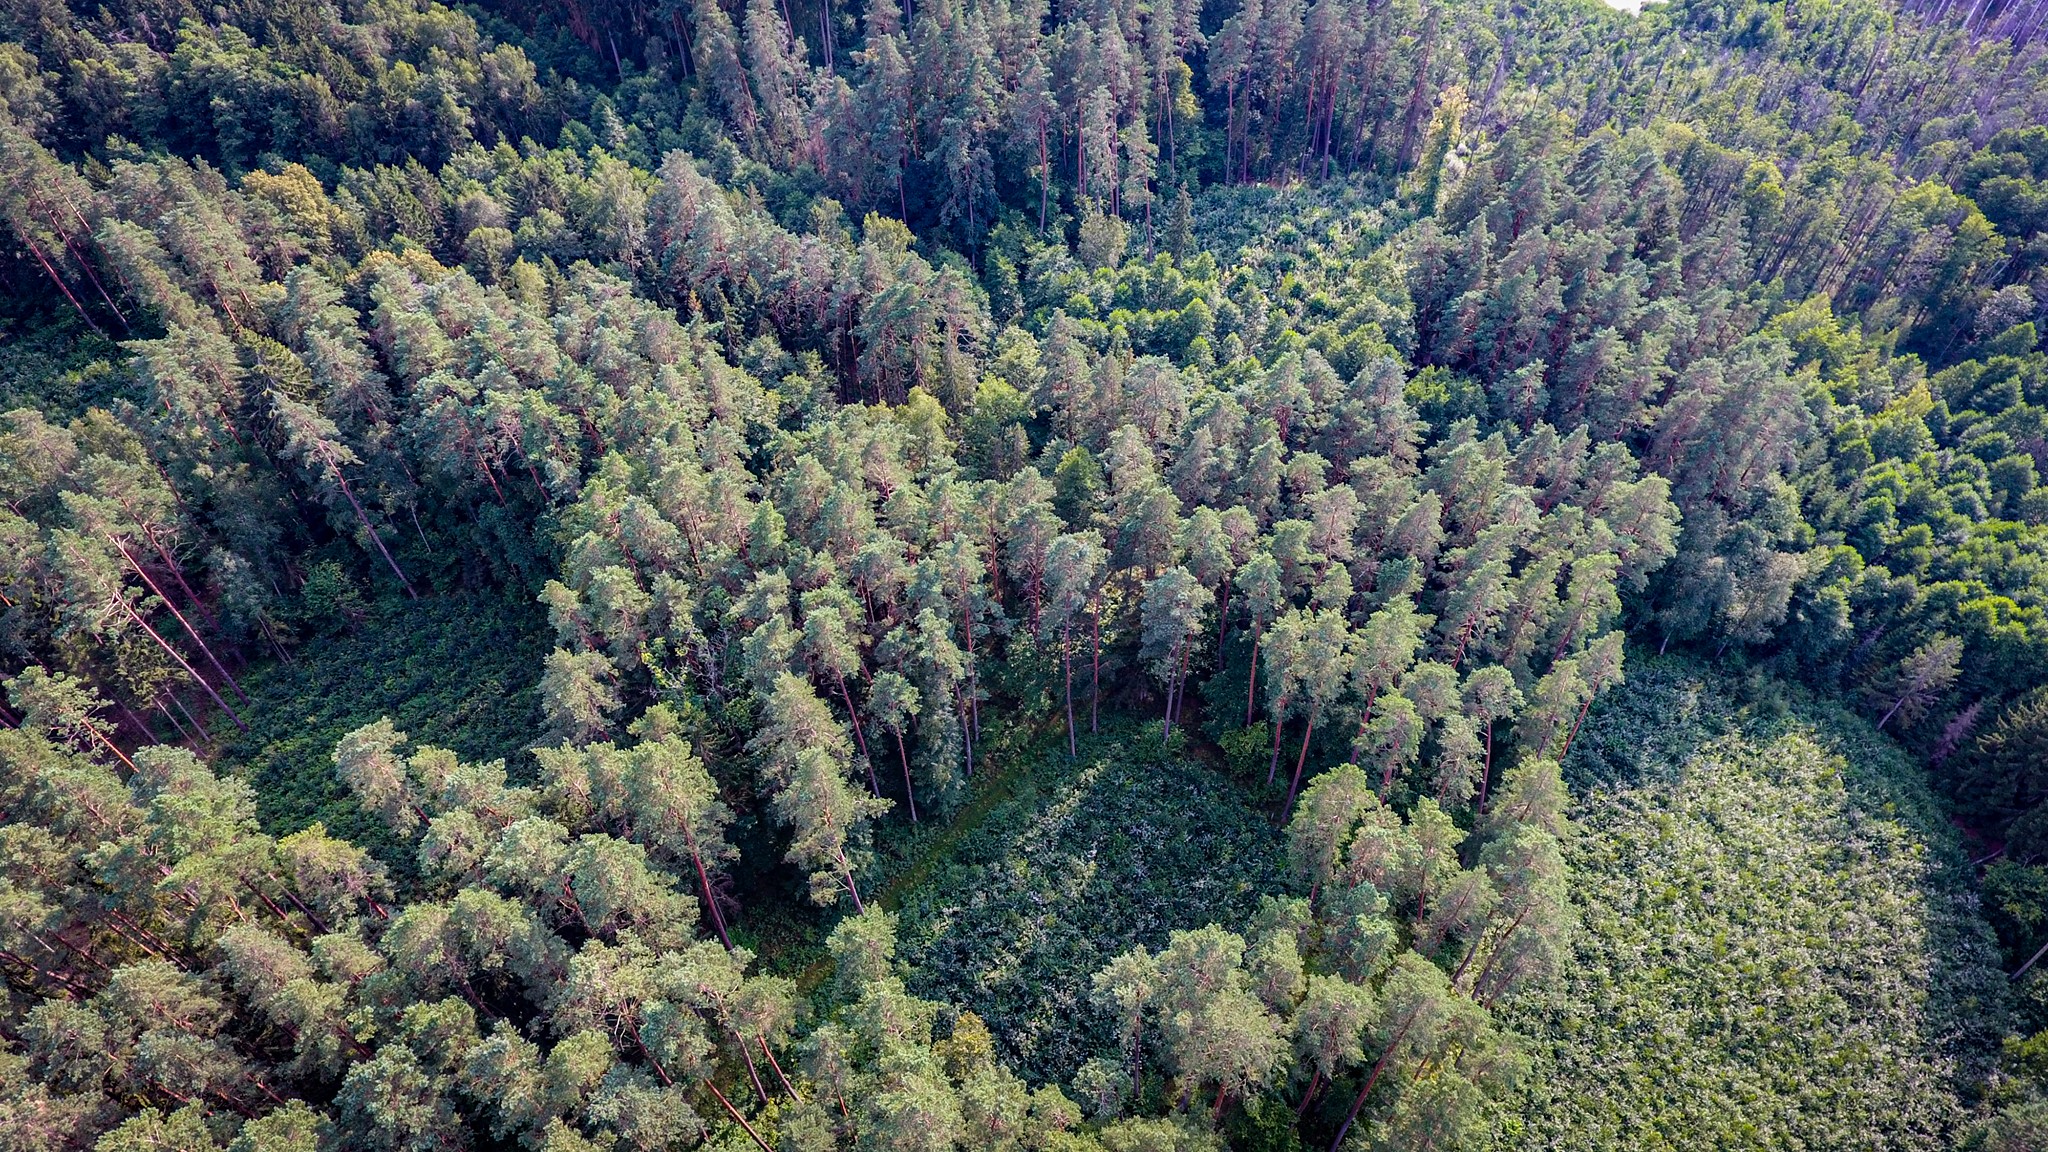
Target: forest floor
{"type": "Point", "coordinates": [1779, 938]}
{"type": "Point", "coordinates": [1780, 944]}
{"type": "Point", "coordinates": [457, 672]}
{"type": "Point", "coordinates": [1076, 860]}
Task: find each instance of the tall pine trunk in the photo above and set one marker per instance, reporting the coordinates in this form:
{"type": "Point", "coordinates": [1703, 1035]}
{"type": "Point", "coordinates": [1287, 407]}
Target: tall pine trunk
{"type": "Point", "coordinates": [182, 622]}
{"type": "Point", "coordinates": [182, 662]}
{"type": "Point", "coordinates": [1067, 662]}
{"type": "Point", "coordinates": [1294, 786]}
{"type": "Point", "coordinates": [909, 792]}
{"type": "Point", "coordinates": [1095, 670]}
{"type": "Point", "coordinates": [1371, 692]}
{"type": "Point", "coordinates": [704, 882]}
{"type": "Point", "coordinates": [365, 521]}
{"type": "Point", "coordinates": [1251, 679]}
{"type": "Point", "coordinates": [857, 733]}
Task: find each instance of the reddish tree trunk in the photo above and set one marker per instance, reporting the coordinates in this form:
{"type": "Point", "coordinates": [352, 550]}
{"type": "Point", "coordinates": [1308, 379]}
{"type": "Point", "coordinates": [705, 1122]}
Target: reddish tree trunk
{"type": "Point", "coordinates": [1486, 769]}
{"type": "Point", "coordinates": [1095, 671]}
{"type": "Point", "coordinates": [704, 884]}
{"type": "Point", "coordinates": [365, 521]}
{"type": "Point", "coordinates": [1308, 728]}
{"type": "Point", "coordinates": [1251, 681]}
{"type": "Point", "coordinates": [735, 1114]}
{"type": "Point", "coordinates": [1372, 1079]}
{"type": "Point", "coordinates": [1279, 722]}
{"type": "Point", "coordinates": [182, 662]}
{"type": "Point", "coordinates": [180, 616]}
{"type": "Point", "coordinates": [840, 677]}
{"type": "Point", "coordinates": [1372, 692]}
{"type": "Point", "coordinates": [1067, 662]}
{"type": "Point", "coordinates": [908, 791]}
{"type": "Point", "coordinates": [1181, 697]}
{"type": "Point", "coordinates": [1574, 732]}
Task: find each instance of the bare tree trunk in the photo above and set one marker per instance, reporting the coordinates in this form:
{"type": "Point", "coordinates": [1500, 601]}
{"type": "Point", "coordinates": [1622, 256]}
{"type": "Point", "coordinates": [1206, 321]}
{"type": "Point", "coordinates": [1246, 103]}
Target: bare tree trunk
{"type": "Point", "coordinates": [365, 521]}
{"type": "Point", "coordinates": [1372, 1079]}
{"type": "Point", "coordinates": [1251, 679]}
{"type": "Point", "coordinates": [1095, 672]}
{"type": "Point", "coordinates": [1294, 786]}
{"type": "Point", "coordinates": [735, 1114]}
{"type": "Point", "coordinates": [1279, 722]}
{"type": "Point", "coordinates": [184, 623]}
{"type": "Point", "coordinates": [908, 791]}
{"type": "Point", "coordinates": [1181, 698]}
{"type": "Point", "coordinates": [857, 733]}
{"type": "Point", "coordinates": [704, 882]}
{"type": "Point", "coordinates": [1364, 718]}
{"type": "Point", "coordinates": [182, 662]}
{"type": "Point", "coordinates": [1067, 660]}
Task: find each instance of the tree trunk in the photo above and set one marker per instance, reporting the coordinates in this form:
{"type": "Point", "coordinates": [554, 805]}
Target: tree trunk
{"type": "Point", "coordinates": [186, 624]}
{"type": "Point", "coordinates": [1372, 1079]}
{"type": "Point", "coordinates": [365, 521]}
{"type": "Point", "coordinates": [1573, 734]}
{"type": "Point", "coordinates": [190, 741]}
{"type": "Point", "coordinates": [1279, 722]}
{"type": "Point", "coordinates": [1251, 680]}
{"type": "Point", "coordinates": [965, 735]}
{"type": "Point", "coordinates": [704, 882]}
{"type": "Point", "coordinates": [777, 1065]}
{"type": "Point", "coordinates": [1095, 671]}
{"type": "Point", "coordinates": [1893, 712]}
{"type": "Point", "coordinates": [182, 663]}
{"type": "Point", "coordinates": [189, 717]}
{"type": "Point", "coordinates": [178, 574]}
{"type": "Point", "coordinates": [753, 1073]}
{"type": "Point", "coordinates": [1181, 696]}
{"type": "Point", "coordinates": [1372, 692]}
{"type": "Point", "coordinates": [1315, 1081]}
{"type": "Point", "coordinates": [59, 282]}
{"type": "Point", "coordinates": [1486, 768]}
{"type": "Point", "coordinates": [1044, 177]}
{"type": "Point", "coordinates": [735, 1114]}
{"type": "Point", "coordinates": [852, 888]}
{"type": "Point", "coordinates": [908, 791]}
{"type": "Point", "coordinates": [1137, 1056]}
{"type": "Point", "coordinates": [840, 677]}
{"type": "Point", "coordinates": [1067, 661]}
{"type": "Point", "coordinates": [1294, 786]}
{"type": "Point", "coordinates": [1166, 720]}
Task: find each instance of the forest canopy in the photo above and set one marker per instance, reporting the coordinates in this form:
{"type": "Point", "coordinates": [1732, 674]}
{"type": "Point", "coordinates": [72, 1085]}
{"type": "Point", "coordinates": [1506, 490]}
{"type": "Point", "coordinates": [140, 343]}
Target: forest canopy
{"type": "Point", "coordinates": [579, 575]}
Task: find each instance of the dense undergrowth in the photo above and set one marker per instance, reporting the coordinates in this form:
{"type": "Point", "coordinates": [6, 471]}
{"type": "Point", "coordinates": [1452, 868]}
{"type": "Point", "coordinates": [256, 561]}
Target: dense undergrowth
{"type": "Point", "coordinates": [457, 672]}
{"type": "Point", "coordinates": [1780, 945]}
{"type": "Point", "coordinates": [1779, 940]}
{"type": "Point", "coordinates": [834, 426]}
{"type": "Point", "coordinates": [1084, 859]}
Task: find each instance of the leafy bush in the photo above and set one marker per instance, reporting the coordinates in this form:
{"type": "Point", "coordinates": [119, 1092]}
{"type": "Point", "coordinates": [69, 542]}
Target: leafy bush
{"type": "Point", "coordinates": [456, 672]}
{"type": "Point", "coordinates": [1780, 945]}
{"type": "Point", "coordinates": [1084, 859]}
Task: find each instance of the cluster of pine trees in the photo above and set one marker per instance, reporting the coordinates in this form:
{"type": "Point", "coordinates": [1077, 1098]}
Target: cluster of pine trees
{"type": "Point", "coordinates": [1342, 382]}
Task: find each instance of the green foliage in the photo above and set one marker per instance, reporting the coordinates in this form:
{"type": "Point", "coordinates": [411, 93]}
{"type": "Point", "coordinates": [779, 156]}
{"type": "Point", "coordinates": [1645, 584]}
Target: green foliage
{"type": "Point", "coordinates": [457, 672]}
{"type": "Point", "coordinates": [1084, 860]}
{"type": "Point", "coordinates": [1439, 342]}
{"type": "Point", "coordinates": [1779, 943]}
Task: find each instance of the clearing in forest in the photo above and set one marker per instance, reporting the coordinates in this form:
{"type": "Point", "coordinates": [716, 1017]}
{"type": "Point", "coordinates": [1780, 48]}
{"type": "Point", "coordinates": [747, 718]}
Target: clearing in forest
{"type": "Point", "coordinates": [1779, 943]}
